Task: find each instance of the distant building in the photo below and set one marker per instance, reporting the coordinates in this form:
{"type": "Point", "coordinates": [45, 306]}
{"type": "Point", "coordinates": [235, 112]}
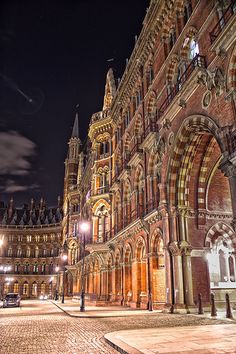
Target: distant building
{"type": "Point", "coordinates": [30, 252]}
{"type": "Point", "coordinates": [157, 176]}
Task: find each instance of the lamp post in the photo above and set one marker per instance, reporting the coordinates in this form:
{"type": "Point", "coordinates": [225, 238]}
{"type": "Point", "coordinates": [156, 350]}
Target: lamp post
{"type": "Point", "coordinates": [57, 283]}
{"type": "Point", "coordinates": [84, 227]}
{"type": "Point", "coordinates": [64, 258]}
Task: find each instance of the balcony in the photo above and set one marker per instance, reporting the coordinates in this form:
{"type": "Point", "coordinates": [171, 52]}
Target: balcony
{"type": "Point", "coordinates": [135, 154]}
{"type": "Point", "coordinates": [198, 63]}
{"type": "Point", "coordinates": [150, 134]}
{"type": "Point", "coordinates": [223, 21]}
{"type": "Point", "coordinates": [101, 190]}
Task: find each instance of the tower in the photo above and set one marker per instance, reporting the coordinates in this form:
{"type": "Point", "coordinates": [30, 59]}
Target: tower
{"type": "Point", "coordinates": [72, 160]}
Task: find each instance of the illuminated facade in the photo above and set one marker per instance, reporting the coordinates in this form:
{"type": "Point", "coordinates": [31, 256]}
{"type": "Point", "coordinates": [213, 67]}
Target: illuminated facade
{"type": "Point", "coordinates": [30, 249]}
{"type": "Point", "coordinates": [157, 175]}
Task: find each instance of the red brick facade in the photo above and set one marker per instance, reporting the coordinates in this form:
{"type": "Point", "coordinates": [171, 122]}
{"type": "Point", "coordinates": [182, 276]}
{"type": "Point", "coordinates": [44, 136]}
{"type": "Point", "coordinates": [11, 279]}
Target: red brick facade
{"type": "Point", "coordinates": [157, 178]}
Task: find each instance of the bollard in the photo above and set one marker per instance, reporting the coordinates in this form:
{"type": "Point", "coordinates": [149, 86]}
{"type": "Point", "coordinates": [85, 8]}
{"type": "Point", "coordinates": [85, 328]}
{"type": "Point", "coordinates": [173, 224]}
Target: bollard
{"type": "Point", "coordinates": [228, 307]}
{"type": "Point", "coordinates": [213, 306]}
{"type": "Point", "coordinates": [200, 308]}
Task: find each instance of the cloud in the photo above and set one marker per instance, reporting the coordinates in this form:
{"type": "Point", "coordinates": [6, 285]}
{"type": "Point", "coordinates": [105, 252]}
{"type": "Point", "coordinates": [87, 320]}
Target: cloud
{"type": "Point", "coordinates": [15, 151]}
{"type": "Point", "coordinates": [12, 187]}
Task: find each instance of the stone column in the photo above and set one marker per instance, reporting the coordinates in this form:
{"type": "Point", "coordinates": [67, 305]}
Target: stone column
{"type": "Point", "coordinates": [229, 170]}
{"type": "Point", "coordinates": [176, 255]}
{"type": "Point", "coordinates": [186, 250]}
{"type": "Point", "coordinates": [168, 266]}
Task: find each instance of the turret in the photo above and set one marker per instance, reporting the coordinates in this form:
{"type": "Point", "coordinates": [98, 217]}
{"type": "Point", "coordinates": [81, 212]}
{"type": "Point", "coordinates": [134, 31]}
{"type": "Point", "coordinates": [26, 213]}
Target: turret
{"type": "Point", "coordinates": [72, 161]}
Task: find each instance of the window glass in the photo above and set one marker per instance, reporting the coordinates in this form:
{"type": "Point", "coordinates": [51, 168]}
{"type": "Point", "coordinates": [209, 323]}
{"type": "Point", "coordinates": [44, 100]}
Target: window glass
{"type": "Point", "coordinates": [193, 49]}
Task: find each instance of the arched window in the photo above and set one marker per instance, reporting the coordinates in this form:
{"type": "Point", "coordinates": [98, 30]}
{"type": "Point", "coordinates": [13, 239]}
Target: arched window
{"type": "Point", "coordinates": [43, 288]}
{"type": "Point", "coordinates": [127, 118]}
{"type": "Point", "coordinates": [103, 224]}
{"type": "Point", "coordinates": [51, 268]}
{"type": "Point", "coordinates": [187, 11]}
{"type": "Point", "coordinates": [34, 289]}
{"type": "Point", "coordinates": [43, 268]}
{"type": "Point", "coordinates": [25, 288]}
{"type": "Point", "coordinates": [193, 49]}
{"type": "Point", "coordinates": [28, 252]}
{"type": "Point", "coordinates": [17, 268]}
{"type": "Point", "coordinates": [150, 76]}
{"type": "Point", "coordinates": [19, 252]}
{"type": "Point", "coordinates": [9, 253]}
{"type": "Point", "coordinates": [16, 287]}
{"type": "Point", "coordinates": [36, 268]}
{"type": "Point", "coordinates": [36, 252]}
{"type": "Point", "coordinates": [172, 38]}
{"type": "Point", "coordinates": [26, 268]}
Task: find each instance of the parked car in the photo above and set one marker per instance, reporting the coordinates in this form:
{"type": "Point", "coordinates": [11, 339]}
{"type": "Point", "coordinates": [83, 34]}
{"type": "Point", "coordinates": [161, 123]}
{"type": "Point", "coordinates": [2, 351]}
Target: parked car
{"type": "Point", "coordinates": [11, 299]}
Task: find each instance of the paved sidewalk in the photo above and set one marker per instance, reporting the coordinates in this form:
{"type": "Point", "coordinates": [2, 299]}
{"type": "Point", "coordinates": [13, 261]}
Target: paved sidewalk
{"type": "Point", "coordinates": [214, 339]}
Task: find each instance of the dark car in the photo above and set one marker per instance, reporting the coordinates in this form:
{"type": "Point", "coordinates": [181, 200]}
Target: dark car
{"type": "Point", "coordinates": [11, 299]}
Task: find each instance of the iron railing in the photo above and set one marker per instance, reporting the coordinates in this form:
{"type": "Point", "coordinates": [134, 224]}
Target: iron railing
{"type": "Point", "coordinates": [198, 61]}
{"type": "Point", "coordinates": [229, 12]}
{"type": "Point", "coordinates": [101, 190]}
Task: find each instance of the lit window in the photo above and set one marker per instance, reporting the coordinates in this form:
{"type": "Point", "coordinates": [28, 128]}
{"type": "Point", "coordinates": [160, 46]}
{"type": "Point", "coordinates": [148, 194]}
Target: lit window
{"type": "Point", "coordinates": [193, 49]}
{"type": "Point", "coordinates": [36, 268]}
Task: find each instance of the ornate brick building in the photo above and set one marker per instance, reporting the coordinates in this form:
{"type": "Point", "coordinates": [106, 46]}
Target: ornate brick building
{"type": "Point", "coordinates": [31, 243]}
{"type": "Point", "coordinates": [157, 178]}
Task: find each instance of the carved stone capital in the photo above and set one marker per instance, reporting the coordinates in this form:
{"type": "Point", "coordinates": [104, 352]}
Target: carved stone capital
{"type": "Point", "coordinates": [180, 248]}
{"type": "Point", "coordinates": [185, 248]}
{"type": "Point", "coordinates": [174, 249]}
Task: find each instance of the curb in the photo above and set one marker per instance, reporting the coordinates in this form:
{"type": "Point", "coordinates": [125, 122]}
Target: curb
{"type": "Point", "coordinates": [119, 345]}
{"type": "Point", "coordinates": [92, 316]}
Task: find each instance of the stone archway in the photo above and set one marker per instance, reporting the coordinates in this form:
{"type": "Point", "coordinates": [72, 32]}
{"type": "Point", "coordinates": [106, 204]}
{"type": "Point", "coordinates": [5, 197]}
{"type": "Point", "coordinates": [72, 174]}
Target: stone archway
{"type": "Point", "coordinates": [221, 246]}
{"type": "Point", "coordinates": [157, 265]}
{"type": "Point", "coordinates": [199, 194]}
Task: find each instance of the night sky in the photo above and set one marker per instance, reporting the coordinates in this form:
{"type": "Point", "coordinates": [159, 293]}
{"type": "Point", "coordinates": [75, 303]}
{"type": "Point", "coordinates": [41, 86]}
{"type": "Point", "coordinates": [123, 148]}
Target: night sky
{"type": "Point", "coordinates": [56, 54]}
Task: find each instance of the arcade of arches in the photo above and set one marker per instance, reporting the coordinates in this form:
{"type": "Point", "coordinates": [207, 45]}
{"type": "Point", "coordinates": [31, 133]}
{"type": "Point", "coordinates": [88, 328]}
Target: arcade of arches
{"type": "Point", "coordinates": [162, 202]}
{"type": "Point", "coordinates": [188, 249]}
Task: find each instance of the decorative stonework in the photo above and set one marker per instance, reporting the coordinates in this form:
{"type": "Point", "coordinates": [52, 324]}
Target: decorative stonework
{"type": "Point", "coordinates": [206, 99]}
{"type": "Point", "coordinates": [180, 248]}
{"type": "Point", "coordinates": [213, 80]}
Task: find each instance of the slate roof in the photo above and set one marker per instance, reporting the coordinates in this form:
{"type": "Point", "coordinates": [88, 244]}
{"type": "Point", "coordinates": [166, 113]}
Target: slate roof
{"type": "Point", "coordinates": [26, 217]}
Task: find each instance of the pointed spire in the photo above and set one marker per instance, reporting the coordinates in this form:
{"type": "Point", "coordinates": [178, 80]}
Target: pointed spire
{"type": "Point", "coordinates": [75, 131]}
{"type": "Point", "coordinates": [110, 90]}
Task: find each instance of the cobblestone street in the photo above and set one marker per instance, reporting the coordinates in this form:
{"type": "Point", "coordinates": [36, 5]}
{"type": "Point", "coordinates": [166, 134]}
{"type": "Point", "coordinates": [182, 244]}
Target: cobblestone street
{"type": "Point", "coordinates": [40, 327]}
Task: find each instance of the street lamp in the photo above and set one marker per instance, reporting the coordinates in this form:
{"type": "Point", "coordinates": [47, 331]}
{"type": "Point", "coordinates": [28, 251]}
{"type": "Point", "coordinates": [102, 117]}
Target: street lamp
{"type": "Point", "coordinates": [57, 283]}
{"type": "Point", "coordinates": [84, 227]}
{"type": "Point", "coordinates": [64, 258]}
